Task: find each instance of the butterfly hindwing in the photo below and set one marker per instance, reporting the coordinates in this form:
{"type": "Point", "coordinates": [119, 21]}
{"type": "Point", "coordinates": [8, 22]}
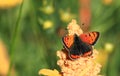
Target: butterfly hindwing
{"type": "Point", "coordinates": [90, 38]}
{"type": "Point", "coordinates": [86, 49]}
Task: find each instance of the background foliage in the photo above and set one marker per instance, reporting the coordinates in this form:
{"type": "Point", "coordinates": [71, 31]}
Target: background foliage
{"type": "Point", "coordinates": [32, 32]}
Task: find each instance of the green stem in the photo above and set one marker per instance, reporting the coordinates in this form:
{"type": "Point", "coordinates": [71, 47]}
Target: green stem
{"type": "Point", "coordinates": [14, 38]}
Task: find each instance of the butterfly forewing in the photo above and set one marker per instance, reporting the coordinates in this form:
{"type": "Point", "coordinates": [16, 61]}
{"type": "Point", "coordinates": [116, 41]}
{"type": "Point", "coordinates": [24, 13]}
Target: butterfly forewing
{"type": "Point", "coordinates": [68, 41]}
{"type": "Point", "coordinates": [90, 38]}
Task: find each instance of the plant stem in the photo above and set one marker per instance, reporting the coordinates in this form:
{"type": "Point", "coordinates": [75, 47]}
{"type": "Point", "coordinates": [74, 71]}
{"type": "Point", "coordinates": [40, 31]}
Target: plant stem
{"type": "Point", "coordinates": [14, 38]}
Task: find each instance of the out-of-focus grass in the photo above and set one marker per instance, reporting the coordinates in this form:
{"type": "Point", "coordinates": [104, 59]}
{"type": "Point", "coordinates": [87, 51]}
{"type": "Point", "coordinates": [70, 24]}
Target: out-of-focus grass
{"type": "Point", "coordinates": [35, 47]}
{"type": "Point", "coordinates": [15, 34]}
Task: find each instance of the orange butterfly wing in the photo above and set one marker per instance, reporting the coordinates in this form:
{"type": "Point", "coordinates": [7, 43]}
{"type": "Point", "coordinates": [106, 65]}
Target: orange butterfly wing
{"type": "Point", "coordinates": [68, 40]}
{"type": "Point", "coordinates": [90, 38]}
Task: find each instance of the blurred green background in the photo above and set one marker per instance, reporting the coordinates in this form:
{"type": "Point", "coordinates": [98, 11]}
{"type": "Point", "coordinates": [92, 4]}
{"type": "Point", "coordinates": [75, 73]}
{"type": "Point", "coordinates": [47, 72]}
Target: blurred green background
{"type": "Point", "coordinates": [32, 32]}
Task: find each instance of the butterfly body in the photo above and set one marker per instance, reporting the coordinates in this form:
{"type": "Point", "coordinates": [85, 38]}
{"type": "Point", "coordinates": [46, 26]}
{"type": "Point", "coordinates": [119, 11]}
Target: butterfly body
{"type": "Point", "coordinates": [80, 45]}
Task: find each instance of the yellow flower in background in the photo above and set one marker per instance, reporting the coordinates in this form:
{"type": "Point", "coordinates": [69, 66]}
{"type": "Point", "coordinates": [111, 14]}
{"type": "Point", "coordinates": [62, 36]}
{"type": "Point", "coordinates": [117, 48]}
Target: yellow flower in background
{"type": "Point", "coordinates": [49, 9]}
{"type": "Point", "coordinates": [4, 60]}
{"type": "Point", "coordinates": [104, 53]}
{"type": "Point", "coordinates": [47, 24]}
{"type": "Point", "coordinates": [109, 47]}
{"type": "Point", "coordinates": [107, 2]}
{"type": "Point", "coordinates": [48, 72]}
{"type": "Point", "coordinates": [102, 57]}
{"type": "Point", "coordinates": [9, 3]}
{"type": "Point", "coordinates": [66, 16]}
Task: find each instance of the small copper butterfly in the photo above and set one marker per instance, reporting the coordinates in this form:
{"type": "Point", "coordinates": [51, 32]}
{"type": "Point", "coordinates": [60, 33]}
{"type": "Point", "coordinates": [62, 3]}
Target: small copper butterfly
{"type": "Point", "coordinates": [80, 45]}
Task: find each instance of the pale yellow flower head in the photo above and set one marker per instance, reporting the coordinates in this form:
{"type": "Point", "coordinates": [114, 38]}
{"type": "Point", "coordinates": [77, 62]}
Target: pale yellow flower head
{"type": "Point", "coordinates": [83, 66]}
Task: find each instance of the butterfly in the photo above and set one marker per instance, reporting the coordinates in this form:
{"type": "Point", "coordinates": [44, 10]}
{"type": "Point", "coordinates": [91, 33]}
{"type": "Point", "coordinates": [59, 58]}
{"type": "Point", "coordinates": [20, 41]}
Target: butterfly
{"type": "Point", "coordinates": [80, 45]}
